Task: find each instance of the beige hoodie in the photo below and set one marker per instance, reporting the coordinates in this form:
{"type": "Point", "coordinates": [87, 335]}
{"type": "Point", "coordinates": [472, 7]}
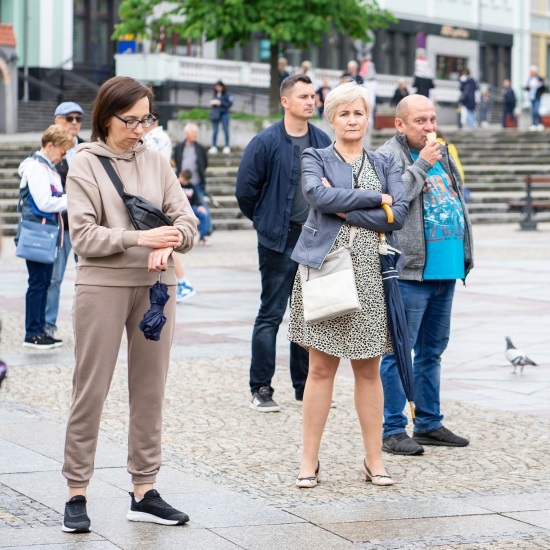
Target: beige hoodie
{"type": "Point", "coordinates": [101, 231]}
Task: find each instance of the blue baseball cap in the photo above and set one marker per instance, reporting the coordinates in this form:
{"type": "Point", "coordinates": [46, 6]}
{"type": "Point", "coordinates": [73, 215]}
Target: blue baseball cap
{"type": "Point", "coordinates": [68, 107]}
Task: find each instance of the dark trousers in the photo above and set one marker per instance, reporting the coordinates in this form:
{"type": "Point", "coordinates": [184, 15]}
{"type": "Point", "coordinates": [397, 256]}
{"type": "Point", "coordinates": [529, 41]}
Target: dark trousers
{"type": "Point", "coordinates": [277, 271]}
{"type": "Point", "coordinates": [40, 277]}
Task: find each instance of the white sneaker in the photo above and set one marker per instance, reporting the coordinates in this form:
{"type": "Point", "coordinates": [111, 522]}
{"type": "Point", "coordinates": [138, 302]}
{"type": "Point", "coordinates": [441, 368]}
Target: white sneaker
{"type": "Point", "coordinates": [532, 127]}
{"type": "Point", "coordinates": [213, 150]}
{"type": "Point", "coordinates": [184, 292]}
{"type": "Point", "coordinates": [226, 150]}
{"type": "Point", "coordinates": [540, 127]}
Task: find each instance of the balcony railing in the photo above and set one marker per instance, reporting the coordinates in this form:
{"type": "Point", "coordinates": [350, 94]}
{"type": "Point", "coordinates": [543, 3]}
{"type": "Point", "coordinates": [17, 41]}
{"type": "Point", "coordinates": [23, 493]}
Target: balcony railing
{"type": "Point", "coordinates": [157, 68]}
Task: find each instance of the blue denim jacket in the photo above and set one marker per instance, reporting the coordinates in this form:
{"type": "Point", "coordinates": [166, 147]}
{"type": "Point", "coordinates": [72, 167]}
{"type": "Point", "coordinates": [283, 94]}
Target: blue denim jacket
{"type": "Point", "coordinates": [362, 207]}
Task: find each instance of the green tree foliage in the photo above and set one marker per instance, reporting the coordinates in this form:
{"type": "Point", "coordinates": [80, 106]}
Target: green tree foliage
{"type": "Point", "coordinates": [298, 22]}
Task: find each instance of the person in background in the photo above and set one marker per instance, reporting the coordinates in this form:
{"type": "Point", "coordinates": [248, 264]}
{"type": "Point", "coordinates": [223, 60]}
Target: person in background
{"type": "Point", "coordinates": [189, 154]}
{"type": "Point", "coordinates": [42, 200]}
{"type": "Point", "coordinates": [282, 65]}
{"type": "Point", "coordinates": [269, 193]}
{"type": "Point", "coordinates": [368, 74]}
{"type": "Point", "coordinates": [221, 102]}
{"type": "Point", "coordinates": [400, 92]}
{"type": "Point", "coordinates": [509, 105]}
{"type": "Point", "coordinates": [198, 206]}
{"type": "Point", "coordinates": [423, 76]}
{"type": "Point", "coordinates": [157, 139]}
{"type": "Point", "coordinates": [320, 95]}
{"type": "Point", "coordinates": [117, 267]}
{"type": "Point", "coordinates": [68, 115]}
{"type": "Point", "coordinates": [353, 69]}
{"type": "Point", "coordinates": [437, 242]}
{"type": "Point", "coordinates": [306, 68]}
{"type": "Point", "coordinates": [468, 87]}
{"type": "Point", "coordinates": [345, 187]}
{"type": "Point", "coordinates": [484, 108]}
{"type": "Point", "coordinates": [535, 87]}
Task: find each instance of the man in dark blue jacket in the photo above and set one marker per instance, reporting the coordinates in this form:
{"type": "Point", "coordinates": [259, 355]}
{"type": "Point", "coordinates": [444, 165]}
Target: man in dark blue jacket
{"type": "Point", "coordinates": [270, 194]}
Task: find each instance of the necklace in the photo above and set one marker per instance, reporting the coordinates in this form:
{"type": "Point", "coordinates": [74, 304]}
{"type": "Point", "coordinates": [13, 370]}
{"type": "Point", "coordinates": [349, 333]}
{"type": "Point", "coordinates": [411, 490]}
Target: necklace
{"type": "Point", "coordinates": [350, 157]}
{"type": "Point", "coordinates": [355, 176]}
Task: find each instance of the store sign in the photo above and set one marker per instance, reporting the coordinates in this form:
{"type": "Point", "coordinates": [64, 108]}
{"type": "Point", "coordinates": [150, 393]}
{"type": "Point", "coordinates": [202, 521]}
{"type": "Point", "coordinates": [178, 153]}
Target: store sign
{"type": "Point", "coordinates": [447, 30]}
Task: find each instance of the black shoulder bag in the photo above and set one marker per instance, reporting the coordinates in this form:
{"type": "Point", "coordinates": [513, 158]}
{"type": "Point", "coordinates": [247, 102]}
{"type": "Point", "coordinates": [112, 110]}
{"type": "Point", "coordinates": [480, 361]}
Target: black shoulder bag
{"type": "Point", "coordinates": [143, 214]}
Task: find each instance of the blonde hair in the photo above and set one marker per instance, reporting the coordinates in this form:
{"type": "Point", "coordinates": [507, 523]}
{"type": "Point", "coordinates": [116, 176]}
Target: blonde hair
{"type": "Point", "coordinates": [343, 95]}
{"type": "Point", "coordinates": [58, 136]}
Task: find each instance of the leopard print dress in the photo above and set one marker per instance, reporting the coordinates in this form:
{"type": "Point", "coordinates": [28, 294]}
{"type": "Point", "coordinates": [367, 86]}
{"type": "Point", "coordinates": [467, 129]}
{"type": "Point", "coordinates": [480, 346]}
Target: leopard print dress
{"type": "Point", "coordinates": [358, 335]}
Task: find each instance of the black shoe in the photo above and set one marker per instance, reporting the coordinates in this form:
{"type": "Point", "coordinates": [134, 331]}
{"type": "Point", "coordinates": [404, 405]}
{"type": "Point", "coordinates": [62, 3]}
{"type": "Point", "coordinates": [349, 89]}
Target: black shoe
{"type": "Point", "coordinates": [401, 444]}
{"type": "Point", "coordinates": [262, 401]}
{"type": "Point", "coordinates": [41, 341]}
{"type": "Point", "coordinates": [153, 509]}
{"type": "Point", "coordinates": [76, 519]}
{"type": "Point", "coordinates": [441, 436]}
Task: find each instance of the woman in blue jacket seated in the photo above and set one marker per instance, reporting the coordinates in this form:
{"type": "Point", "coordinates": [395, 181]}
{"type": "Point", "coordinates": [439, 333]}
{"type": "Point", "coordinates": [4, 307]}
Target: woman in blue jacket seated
{"type": "Point", "coordinates": [346, 187]}
{"type": "Point", "coordinates": [42, 200]}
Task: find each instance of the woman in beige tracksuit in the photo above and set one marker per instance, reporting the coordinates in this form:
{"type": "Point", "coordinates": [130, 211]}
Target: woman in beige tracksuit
{"type": "Point", "coordinates": [117, 266]}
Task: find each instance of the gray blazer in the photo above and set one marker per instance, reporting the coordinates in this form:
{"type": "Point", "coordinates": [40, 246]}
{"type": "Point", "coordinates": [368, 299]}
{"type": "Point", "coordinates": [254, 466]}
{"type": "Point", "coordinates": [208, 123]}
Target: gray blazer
{"type": "Point", "coordinates": [362, 207]}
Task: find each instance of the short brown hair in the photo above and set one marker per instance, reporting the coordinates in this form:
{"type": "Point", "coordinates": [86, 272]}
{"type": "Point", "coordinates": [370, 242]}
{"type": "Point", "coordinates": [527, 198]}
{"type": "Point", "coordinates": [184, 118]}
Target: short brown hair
{"type": "Point", "coordinates": [290, 81]}
{"type": "Point", "coordinates": [58, 136]}
{"type": "Point", "coordinates": [115, 96]}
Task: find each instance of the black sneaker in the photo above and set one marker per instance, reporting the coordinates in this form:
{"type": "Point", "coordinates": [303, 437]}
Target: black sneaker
{"type": "Point", "coordinates": [262, 401]}
{"type": "Point", "coordinates": [401, 444]}
{"type": "Point", "coordinates": [76, 519]}
{"type": "Point", "coordinates": [441, 436]}
{"type": "Point", "coordinates": [152, 509]}
{"type": "Point", "coordinates": [41, 341]}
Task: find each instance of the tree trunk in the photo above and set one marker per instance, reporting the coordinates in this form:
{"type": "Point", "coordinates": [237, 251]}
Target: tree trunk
{"type": "Point", "coordinates": [274, 99]}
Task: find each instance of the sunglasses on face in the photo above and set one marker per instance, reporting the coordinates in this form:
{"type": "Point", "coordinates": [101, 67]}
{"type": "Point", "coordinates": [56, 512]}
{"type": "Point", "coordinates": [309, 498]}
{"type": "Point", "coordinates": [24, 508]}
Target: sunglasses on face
{"type": "Point", "coordinates": [69, 119]}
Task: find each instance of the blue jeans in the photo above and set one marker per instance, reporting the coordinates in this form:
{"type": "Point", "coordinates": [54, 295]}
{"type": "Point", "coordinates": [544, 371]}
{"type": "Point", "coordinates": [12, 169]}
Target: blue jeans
{"type": "Point", "coordinates": [277, 271]}
{"type": "Point", "coordinates": [224, 118]}
{"type": "Point", "coordinates": [535, 117]}
{"type": "Point", "coordinates": [428, 305]}
{"type": "Point", "coordinates": [52, 303]}
{"type": "Point", "coordinates": [40, 276]}
{"type": "Point", "coordinates": [204, 222]}
{"type": "Point", "coordinates": [470, 118]}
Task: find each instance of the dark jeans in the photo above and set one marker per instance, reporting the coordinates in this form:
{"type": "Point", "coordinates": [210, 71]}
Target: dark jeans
{"type": "Point", "coordinates": [277, 272]}
{"type": "Point", "coordinates": [40, 277]}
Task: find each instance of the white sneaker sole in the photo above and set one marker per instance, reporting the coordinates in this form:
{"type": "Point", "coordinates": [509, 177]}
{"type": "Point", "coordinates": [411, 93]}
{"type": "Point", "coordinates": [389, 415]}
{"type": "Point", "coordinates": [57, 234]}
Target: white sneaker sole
{"type": "Point", "coordinates": [76, 530]}
{"type": "Point", "coordinates": [36, 346]}
{"type": "Point", "coordinates": [265, 409]}
{"type": "Point", "coordinates": [149, 518]}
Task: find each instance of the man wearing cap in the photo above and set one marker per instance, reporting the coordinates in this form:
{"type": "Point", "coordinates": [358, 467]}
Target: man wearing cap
{"type": "Point", "coordinates": [69, 115]}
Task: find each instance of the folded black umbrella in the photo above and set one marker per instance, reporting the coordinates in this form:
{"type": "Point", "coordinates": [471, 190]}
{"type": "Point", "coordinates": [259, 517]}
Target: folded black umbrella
{"type": "Point", "coordinates": [154, 319]}
{"type": "Point", "coordinates": [397, 318]}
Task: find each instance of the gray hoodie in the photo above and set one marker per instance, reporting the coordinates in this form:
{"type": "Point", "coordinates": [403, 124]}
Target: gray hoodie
{"type": "Point", "coordinates": [411, 237]}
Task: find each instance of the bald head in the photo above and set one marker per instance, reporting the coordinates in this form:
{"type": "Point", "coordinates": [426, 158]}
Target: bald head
{"type": "Point", "coordinates": [415, 118]}
{"type": "Point", "coordinates": [410, 104]}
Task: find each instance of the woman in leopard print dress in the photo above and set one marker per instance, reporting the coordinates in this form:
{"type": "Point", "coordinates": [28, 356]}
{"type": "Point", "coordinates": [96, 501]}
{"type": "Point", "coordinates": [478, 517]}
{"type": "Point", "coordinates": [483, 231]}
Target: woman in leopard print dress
{"type": "Point", "coordinates": [346, 186]}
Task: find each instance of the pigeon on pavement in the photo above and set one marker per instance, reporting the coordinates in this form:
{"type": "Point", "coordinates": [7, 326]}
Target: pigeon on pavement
{"type": "Point", "coordinates": [516, 356]}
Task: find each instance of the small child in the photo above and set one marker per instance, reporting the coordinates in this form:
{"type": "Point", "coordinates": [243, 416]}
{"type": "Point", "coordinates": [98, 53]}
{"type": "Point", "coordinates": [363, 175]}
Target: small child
{"type": "Point", "coordinates": [198, 206]}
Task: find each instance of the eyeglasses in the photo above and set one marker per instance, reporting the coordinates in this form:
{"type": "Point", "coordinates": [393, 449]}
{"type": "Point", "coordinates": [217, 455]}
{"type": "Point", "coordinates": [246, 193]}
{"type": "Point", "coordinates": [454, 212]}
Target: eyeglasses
{"type": "Point", "coordinates": [78, 119]}
{"type": "Point", "coordinates": [132, 124]}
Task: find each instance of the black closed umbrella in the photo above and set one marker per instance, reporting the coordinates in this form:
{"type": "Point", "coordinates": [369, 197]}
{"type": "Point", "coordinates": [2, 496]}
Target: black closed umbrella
{"type": "Point", "coordinates": [154, 319]}
{"type": "Point", "coordinates": [397, 318]}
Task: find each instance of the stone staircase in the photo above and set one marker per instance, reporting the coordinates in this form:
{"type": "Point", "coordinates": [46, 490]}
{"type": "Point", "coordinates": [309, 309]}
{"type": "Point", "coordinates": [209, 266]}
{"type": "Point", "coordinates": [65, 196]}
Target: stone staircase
{"type": "Point", "coordinates": [495, 163]}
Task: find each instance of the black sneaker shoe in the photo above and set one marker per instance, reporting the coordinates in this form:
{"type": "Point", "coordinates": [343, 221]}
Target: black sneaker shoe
{"type": "Point", "coordinates": [40, 341]}
{"type": "Point", "coordinates": [441, 436]}
{"type": "Point", "coordinates": [262, 401]}
{"type": "Point", "coordinates": [56, 342]}
{"type": "Point", "coordinates": [76, 519]}
{"type": "Point", "coordinates": [152, 509]}
{"type": "Point", "coordinates": [401, 444]}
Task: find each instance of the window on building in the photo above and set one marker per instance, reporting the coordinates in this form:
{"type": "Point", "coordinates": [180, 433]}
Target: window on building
{"type": "Point", "coordinates": [449, 67]}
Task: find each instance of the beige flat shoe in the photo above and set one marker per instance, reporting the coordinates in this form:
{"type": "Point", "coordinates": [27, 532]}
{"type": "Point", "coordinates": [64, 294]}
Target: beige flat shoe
{"type": "Point", "coordinates": [380, 480]}
{"type": "Point", "coordinates": [309, 482]}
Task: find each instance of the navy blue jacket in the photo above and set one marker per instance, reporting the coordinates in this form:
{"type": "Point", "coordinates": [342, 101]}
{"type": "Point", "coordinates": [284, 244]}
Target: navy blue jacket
{"type": "Point", "coordinates": [268, 177]}
{"type": "Point", "coordinates": [362, 206]}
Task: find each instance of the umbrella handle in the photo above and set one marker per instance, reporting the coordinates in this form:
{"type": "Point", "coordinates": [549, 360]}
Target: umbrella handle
{"type": "Point", "coordinates": [389, 212]}
{"type": "Point", "coordinates": [411, 405]}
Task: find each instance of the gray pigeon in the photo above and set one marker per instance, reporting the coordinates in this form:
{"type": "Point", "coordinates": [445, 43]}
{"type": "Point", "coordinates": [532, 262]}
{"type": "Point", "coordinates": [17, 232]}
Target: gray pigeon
{"type": "Point", "coordinates": [516, 356]}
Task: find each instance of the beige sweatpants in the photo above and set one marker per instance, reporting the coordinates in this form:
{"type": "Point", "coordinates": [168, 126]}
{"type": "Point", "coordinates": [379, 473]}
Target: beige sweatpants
{"type": "Point", "coordinates": [100, 315]}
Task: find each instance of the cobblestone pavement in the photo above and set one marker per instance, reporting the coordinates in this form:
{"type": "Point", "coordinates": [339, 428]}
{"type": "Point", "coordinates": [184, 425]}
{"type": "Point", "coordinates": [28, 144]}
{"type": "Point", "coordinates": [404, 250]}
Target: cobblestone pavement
{"type": "Point", "coordinates": [233, 469]}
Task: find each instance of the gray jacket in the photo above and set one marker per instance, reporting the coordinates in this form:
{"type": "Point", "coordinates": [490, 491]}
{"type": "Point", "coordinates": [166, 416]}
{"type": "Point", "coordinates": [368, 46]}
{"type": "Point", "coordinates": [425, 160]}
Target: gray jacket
{"type": "Point", "coordinates": [411, 237]}
{"type": "Point", "coordinates": [362, 206]}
